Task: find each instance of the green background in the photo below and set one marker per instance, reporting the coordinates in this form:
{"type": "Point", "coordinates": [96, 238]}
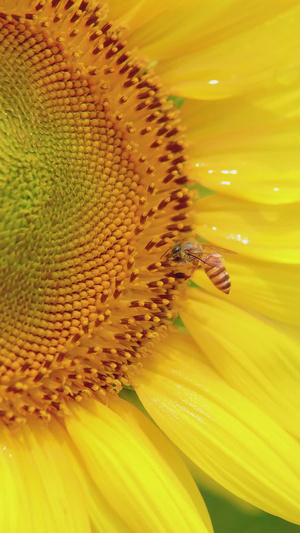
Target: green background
{"type": "Point", "coordinates": [228, 518]}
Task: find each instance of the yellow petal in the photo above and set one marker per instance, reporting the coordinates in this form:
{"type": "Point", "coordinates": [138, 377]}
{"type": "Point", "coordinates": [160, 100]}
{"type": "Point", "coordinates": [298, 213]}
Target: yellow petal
{"type": "Point", "coordinates": [250, 354]}
{"type": "Point", "coordinates": [15, 513]}
{"type": "Point", "coordinates": [232, 42]}
{"type": "Point", "coordinates": [207, 483]}
{"type": "Point", "coordinates": [134, 468]}
{"type": "Point", "coordinates": [219, 429]}
{"type": "Point", "coordinates": [264, 177]}
{"type": "Point", "coordinates": [261, 231]}
{"type": "Point", "coordinates": [144, 429]}
{"type": "Point", "coordinates": [270, 289]}
{"type": "Point", "coordinates": [103, 517]}
{"type": "Point", "coordinates": [290, 330]}
{"type": "Point", "coordinates": [40, 492]}
{"type": "Point", "coordinates": [246, 147]}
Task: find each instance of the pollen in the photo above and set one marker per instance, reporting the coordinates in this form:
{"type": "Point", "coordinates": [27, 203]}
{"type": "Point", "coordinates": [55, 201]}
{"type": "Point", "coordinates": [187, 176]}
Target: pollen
{"type": "Point", "coordinates": [93, 191]}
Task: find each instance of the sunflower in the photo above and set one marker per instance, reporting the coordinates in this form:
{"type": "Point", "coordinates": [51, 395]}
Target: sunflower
{"type": "Point", "coordinates": [100, 174]}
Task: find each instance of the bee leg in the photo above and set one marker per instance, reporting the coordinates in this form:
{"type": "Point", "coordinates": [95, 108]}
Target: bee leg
{"type": "Point", "coordinates": [195, 266]}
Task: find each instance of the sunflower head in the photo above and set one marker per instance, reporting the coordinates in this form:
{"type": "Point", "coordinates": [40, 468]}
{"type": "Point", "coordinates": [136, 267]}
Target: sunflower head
{"type": "Point", "coordinates": [93, 186]}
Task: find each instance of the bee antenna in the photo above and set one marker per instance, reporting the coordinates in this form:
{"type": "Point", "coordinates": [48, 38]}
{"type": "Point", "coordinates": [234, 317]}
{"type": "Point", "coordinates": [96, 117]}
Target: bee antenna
{"type": "Point", "coordinates": [199, 258]}
{"type": "Point", "coordinates": [164, 253]}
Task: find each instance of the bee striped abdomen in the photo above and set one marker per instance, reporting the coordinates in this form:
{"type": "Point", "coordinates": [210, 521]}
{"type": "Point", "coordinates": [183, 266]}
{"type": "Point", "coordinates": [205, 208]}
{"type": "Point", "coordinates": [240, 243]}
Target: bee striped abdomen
{"type": "Point", "coordinates": [214, 268]}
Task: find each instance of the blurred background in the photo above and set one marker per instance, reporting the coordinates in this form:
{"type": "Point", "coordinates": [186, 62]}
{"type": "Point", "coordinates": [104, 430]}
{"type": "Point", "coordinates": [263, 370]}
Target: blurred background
{"type": "Point", "coordinates": [229, 517]}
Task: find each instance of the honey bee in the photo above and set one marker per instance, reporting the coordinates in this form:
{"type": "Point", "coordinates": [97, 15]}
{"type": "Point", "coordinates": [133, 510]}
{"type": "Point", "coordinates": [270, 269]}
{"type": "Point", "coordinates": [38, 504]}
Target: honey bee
{"type": "Point", "coordinates": [208, 255]}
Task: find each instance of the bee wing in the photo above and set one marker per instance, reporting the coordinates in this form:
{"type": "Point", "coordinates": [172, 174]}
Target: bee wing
{"type": "Point", "coordinates": [207, 258]}
{"type": "Point", "coordinates": [208, 248]}
{"type": "Point", "coordinates": [213, 260]}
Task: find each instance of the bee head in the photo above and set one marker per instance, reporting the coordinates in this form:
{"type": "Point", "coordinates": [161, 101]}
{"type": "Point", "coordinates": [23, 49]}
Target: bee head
{"type": "Point", "coordinates": [176, 249]}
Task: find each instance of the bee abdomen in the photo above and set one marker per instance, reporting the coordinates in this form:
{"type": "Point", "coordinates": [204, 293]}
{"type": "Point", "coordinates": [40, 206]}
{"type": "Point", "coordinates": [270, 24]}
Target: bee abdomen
{"type": "Point", "coordinates": [223, 283]}
{"type": "Point", "coordinates": [219, 277]}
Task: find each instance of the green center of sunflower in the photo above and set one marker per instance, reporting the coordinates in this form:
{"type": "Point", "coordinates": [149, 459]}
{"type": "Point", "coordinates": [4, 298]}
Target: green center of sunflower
{"type": "Point", "coordinates": [91, 175]}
